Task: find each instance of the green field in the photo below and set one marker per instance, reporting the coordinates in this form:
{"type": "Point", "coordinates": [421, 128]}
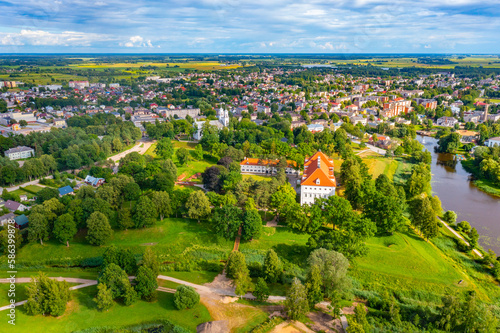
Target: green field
{"type": "Point", "coordinates": [405, 263]}
{"type": "Point", "coordinates": [81, 313]}
{"type": "Point", "coordinates": [170, 238]}
{"type": "Point", "coordinates": [192, 167]}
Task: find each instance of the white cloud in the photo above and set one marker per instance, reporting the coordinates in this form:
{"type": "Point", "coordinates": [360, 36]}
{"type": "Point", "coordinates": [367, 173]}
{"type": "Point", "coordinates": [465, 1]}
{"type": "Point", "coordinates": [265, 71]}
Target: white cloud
{"type": "Point", "coordinates": [45, 38]}
{"type": "Point", "coordinates": [137, 41]}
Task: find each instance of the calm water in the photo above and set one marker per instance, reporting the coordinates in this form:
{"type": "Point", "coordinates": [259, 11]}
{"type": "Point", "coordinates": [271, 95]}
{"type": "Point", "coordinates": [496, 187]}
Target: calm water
{"type": "Point", "coordinates": [480, 209]}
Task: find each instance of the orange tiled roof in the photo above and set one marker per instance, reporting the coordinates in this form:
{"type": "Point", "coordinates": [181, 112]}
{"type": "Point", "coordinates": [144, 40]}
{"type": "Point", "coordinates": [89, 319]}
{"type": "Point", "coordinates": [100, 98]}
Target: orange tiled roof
{"type": "Point", "coordinates": [319, 174]}
{"type": "Point", "coordinates": [256, 161]}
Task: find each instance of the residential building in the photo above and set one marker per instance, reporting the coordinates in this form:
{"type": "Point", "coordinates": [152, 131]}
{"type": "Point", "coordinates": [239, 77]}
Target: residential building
{"type": "Point", "coordinates": [395, 108]}
{"type": "Point", "coordinates": [21, 221]}
{"type": "Point", "coordinates": [492, 142]}
{"type": "Point", "coordinates": [318, 180]}
{"type": "Point", "coordinates": [446, 121]}
{"type": "Point", "coordinates": [19, 152]}
{"type": "Point", "coordinates": [65, 190]}
{"type": "Point", "coordinates": [94, 181]}
{"type": "Point", "coordinates": [4, 219]}
{"type": "Point", "coordinates": [14, 205]}
{"type": "Point", "coordinates": [427, 103]}
{"type": "Point", "coordinates": [255, 165]}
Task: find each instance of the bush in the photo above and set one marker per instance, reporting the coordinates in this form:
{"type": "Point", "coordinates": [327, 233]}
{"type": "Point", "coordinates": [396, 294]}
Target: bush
{"type": "Point", "coordinates": [186, 297]}
{"type": "Point", "coordinates": [461, 246]}
{"type": "Point", "coordinates": [464, 226]}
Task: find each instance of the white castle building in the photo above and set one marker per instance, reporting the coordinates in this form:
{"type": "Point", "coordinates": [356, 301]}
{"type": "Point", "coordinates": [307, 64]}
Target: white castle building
{"type": "Point", "coordinates": [221, 122]}
{"type": "Point", "coordinates": [318, 180]}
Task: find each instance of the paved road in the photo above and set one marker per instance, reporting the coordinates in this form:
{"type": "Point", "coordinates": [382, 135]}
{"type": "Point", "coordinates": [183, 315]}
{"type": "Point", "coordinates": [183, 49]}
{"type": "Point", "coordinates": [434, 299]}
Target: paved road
{"type": "Point", "coordinates": [33, 182]}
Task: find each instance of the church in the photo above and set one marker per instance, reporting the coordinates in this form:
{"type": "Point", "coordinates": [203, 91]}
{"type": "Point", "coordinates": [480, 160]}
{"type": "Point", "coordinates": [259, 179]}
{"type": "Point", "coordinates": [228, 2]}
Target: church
{"type": "Point", "coordinates": [221, 122]}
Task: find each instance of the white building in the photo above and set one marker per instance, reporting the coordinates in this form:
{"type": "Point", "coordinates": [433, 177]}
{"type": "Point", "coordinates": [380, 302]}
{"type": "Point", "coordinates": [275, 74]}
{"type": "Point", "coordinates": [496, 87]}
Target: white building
{"type": "Point", "coordinates": [221, 122]}
{"type": "Point", "coordinates": [447, 121]}
{"type": "Point", "coordinates": [492, 142]}
{"type": "Point", "coordinates": [318, 180]}
{"type": "Point", "coordinates": [255, 165]}
{"type": "Point", "coordinates": [19, 152]}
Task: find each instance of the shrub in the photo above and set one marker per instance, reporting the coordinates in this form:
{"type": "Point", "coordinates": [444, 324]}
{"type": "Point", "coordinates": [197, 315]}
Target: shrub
{"type": "Point", "coordinates": [186, 297]}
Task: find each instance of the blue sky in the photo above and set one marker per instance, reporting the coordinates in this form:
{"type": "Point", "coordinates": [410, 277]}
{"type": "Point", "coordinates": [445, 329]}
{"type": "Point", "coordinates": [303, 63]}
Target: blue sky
{"type": "Point", "coordinates": [258, 26]}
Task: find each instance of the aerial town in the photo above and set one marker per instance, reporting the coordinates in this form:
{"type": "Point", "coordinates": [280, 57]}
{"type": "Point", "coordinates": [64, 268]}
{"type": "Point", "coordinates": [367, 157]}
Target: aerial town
{"type": "Point", "coordinates": [303, 195]}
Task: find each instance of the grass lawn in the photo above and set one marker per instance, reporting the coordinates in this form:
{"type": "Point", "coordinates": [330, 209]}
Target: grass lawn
{"type": "Point", "coordinates": [81, 313]}
{"type": "Point", "coordinates": [192, 167]}
{"type": "Point", "coordinates": [287, 244]}
{"type": "Point", "coordinates": [33, 188]}
{"type": "Point", "coordinates": [170, 238]}
{"type": "Point", "coordinates": [406, 263]}
{"type": "Point", "coordinates": [257, 177]}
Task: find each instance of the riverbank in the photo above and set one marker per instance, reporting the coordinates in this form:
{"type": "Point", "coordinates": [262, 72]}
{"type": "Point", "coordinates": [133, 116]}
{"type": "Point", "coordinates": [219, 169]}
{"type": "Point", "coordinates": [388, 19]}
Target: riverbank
{"type": "Point", "coordinates": [482, 184]}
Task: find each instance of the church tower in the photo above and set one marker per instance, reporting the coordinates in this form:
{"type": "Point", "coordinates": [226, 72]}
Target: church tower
{"type": "Point", "coordinates": [223, 116]}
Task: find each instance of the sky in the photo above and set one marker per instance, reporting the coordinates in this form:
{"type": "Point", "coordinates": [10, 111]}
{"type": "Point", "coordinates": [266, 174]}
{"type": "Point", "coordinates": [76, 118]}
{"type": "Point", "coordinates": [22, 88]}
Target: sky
{"type": "Point", "coordinates": [243, 26]}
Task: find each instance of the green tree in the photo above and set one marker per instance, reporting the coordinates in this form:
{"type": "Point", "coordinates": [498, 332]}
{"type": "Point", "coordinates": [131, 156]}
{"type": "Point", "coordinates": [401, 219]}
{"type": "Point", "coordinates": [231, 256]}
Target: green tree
{"type": "Point", "coordinates": [235, 263]}
{"type": "Point", "coordinates": [125, 218]}
{"type": "Point", "coordinates": [146, 283]}
{"type": "Point", "coordinates": [360, 317]}
{"type": "Point", "coordinates": [261, 291]}
{"type": "Point", "coordinates": [186, 297]}
{"type": "Point", "coordinates": [131, 191]}
{"type": "Point", "coordinates": [47, 296]}
{"type": "Point", "coordinates": [252, 225]}
{"type": "Point", "coordinates": [226, 221]}
{"type": "Point", "coordinates": [99, 230]}
{"type": "Point", "coordinates": [423, 216]}
{"type": "Point", "coordinates": [104, 297]}
{"type": "Point", "coordinates": [242, 282]}
{"type": "Point", "coordinates": [333, 269]}
{"type": "Point", "coordinates": [449, 313]}
{"type": "Point", "coordinates": [296, 303]}
{"type": "Point", "coordinates": [39, 228]}
{"type": "Point", "coordinates": [65, 228]}
{"type": "Point", "coordinates": [124, 258]}
{"type": "Point", "coordinates": [283, 197]}
{"type": "Point", "coordinates": [182, 155]}
{"type": "Point", "coordinates": [150, 260]}
{"type": "Point", "coordinates": [164, 148]}
{"type": "Point", "coordinates": [161, 200]}
{"type": "Point", "coordinates": [198, 152]}
{"type": "Point", "coordinates": [198, 205]}
{"type": "Point", "coordinates": [314, 286]}
{"type": "Point", "coordinates": [273, 268]}
{"type": "Point", "coordinates": [145, 212]}
{"type": "Point", "coordinates": [473, 238]}
{"type": "Point", "coordinates": [450, 217]}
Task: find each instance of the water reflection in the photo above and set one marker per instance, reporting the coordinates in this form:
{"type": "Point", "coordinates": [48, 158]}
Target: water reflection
{"type": "Point", "coordinates": [457, 193]}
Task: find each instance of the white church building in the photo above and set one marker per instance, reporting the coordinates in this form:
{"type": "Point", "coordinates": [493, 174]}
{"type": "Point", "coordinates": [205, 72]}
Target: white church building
{"type": "Point", "coordinates": [318, 180]}
{"type": "Point", "coordinates": [221, 122]}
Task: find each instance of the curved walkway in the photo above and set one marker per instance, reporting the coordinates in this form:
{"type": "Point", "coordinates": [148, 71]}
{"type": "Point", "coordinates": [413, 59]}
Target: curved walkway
{"type": "Point", "coordinates": [479, 254]}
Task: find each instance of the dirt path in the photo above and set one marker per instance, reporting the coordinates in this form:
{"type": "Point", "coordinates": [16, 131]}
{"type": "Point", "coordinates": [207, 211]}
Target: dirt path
{"type": "Point", "coordinates": [141, 150]}
{"type": "Point", "coordinates": [84, 283]}
{"type": "Point", "coordinates": [237, 240]}
{"type": "Point", "coordinates": [459, 236]}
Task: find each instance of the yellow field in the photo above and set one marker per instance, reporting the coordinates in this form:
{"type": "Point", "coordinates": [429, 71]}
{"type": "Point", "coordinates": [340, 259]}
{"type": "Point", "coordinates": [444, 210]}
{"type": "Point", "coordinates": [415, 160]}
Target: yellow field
{"type": "Point", "coordinates": [200, 65]}
{"type": "Point", "coordinates": [474, 61]}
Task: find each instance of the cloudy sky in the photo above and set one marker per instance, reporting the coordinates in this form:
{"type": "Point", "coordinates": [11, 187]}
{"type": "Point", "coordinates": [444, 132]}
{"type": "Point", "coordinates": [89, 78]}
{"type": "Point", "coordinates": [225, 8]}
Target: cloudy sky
{"type": "Point", "coordinates": [256, 26]}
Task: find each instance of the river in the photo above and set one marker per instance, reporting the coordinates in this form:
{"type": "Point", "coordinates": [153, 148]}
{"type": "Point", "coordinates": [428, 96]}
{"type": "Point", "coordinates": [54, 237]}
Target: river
{"type": "Point", "coordinates": [457, 193]}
